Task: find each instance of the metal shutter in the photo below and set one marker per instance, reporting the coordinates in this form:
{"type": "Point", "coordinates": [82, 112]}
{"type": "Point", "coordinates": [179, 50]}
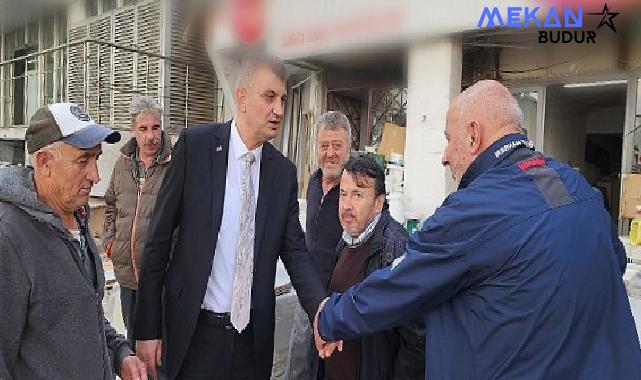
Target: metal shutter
{"type": "Point", "coordinates": [76, 66]}
{"type": "Point", "coordinates": [193, 89]}
{"type": "Point", "coordinates": [149, 39]}
{"type": "Point", "coordinates": [124, 69]}
{"type": "Point", "coordinates": [100, 70]}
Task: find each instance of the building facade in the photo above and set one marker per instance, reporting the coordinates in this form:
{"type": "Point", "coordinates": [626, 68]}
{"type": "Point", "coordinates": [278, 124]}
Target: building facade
{"type": "Point", "coordinates": [403, 61]}
{"type": "Point", "coordinates": [100, 54]}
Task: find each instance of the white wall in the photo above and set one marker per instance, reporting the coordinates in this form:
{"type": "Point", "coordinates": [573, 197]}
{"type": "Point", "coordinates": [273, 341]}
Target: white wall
{"type": "Point", "coordinates": [434, 78]}
{"type": "Point", "coordinates": [565, 133]}
{"type": "Point", "coordinates": [606, 120]}
{"type": "Point", "coordinates": [560, 61]}
{"type": "Point", "coordinates": [13, 133]}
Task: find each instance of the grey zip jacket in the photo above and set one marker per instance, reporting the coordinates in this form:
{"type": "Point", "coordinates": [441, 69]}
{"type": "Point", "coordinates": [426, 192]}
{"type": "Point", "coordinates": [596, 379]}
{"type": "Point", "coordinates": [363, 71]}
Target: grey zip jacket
{"type": "Point", "coordinates": [52, 324]}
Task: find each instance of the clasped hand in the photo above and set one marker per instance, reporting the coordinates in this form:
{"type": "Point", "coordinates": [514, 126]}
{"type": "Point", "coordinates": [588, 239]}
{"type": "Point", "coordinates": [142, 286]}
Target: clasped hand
{"type": "Point", "coordinates": [325, 349]}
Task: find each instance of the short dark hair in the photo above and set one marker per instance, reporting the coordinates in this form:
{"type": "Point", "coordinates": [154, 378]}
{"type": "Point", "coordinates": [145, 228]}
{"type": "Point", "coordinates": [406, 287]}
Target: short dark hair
{"type": "Point", "coordinates": [366, 166]}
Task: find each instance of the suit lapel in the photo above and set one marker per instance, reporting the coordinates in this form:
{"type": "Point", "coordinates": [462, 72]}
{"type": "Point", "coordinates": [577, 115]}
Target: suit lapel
{"type": "Point", "coordinates": [219, 153]}
{"type": "Point", "coordinates": [264, 194]}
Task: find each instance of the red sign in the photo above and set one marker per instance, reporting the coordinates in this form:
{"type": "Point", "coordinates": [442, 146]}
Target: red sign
{"type": "Point", "coordinates": [248, 20]}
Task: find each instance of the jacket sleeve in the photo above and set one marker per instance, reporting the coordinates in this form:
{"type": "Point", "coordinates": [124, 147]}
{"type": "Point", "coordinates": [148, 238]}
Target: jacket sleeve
{"type": "Point", "coordinates": [619, 249]}
{"type": "Point", "coordinates": [410, 358]}
{"type": "Point", "coordinates": [410, 355]}
{"type": "Point", "coordinates": [14, 298]}
{"type": "Point", "coordinates": [433, 269]}
{"type": "Point", "coordinates": [160, 238]}
{"type": "Point", "coordinates": [297, 261]}
{"type": "Point", "coordinates": [117, 344]}
{"type": "Point", "coordinates": [109, 226]}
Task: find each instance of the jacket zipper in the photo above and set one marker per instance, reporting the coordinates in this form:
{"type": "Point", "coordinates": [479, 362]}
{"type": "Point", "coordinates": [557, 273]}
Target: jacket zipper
{"type": "Point", "coordinates": [133, 239]}
{"type": "Point", "coordinates": [101, 327]}
{"type": "Point", "coordinates": [135, 220]}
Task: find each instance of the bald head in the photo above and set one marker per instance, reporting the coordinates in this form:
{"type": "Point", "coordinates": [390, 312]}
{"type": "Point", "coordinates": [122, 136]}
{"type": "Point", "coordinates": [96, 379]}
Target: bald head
{"type": "Point", "coordinates": [491, 104]}
{"type": "Point", "coordinates": [479, 116]}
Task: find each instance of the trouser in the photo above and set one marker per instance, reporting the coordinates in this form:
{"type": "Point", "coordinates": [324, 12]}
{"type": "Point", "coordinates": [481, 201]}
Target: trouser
{"type": "Point", "coordinates": [218, 352]}
{"type": "Point", "coordinates": [128, 305]}
{"type": "Point", "coordinates": [302, 356]}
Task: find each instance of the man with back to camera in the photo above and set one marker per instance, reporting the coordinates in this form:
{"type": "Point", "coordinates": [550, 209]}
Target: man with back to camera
{"type": "Point", "coordinates": [517, 275]}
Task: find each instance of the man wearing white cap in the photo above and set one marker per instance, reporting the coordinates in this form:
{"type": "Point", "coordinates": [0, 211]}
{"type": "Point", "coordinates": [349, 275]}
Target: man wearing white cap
{"type": "Point", "coordinates": [52, 324]}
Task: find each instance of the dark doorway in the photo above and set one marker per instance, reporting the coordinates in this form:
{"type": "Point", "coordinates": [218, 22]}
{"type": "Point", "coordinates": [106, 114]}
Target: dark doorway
{"type": "Point", "coordinates": [19, 75]}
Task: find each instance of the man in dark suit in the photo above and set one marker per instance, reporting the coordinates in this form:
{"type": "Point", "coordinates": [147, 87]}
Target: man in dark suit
{"type": "Point", "coordinates": [232, 198]}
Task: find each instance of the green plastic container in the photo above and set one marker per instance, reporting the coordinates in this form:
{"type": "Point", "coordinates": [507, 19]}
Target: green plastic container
{"type": "Point", "coordinates": [380, 158]}
{"type": "Point", "coordinates": [411, 225]}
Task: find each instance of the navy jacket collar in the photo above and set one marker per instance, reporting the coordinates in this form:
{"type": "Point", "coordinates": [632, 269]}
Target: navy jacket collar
{"type": "Point", "coordinates": [491, 156]}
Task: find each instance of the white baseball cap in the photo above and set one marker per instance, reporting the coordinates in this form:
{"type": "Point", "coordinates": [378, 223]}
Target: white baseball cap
{"type": "Point", "coordinates": [69, 123]}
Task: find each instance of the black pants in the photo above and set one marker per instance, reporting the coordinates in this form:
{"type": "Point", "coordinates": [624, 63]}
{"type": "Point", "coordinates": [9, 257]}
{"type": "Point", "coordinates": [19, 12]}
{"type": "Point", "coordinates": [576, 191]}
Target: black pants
{"type": "Point", "coordinates": [218, 352]}
{"type": "Point", "coordinates": [128, 305]}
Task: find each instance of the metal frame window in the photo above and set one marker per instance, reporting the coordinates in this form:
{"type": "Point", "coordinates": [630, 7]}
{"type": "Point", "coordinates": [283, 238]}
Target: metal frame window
{"type": "Point", "coordinates": [45, 64]}
{"type": "Point", "coordinates": [2, 79]}
{"type": "Point", "coordinates": [539, 127]}
{"type": "Point", "coordinates": [110, 5]}
{"type": "Point", "coordinates": [95, 8]}
{"type": "Point", "coordinates": [91, 8]}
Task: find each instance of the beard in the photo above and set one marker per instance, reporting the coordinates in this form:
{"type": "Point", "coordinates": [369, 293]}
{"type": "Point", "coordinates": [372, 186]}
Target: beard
{"type": "Point", "coordinates": [332, 173]}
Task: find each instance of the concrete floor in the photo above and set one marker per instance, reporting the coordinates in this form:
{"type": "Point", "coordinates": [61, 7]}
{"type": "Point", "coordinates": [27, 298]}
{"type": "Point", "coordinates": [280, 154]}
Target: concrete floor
{"type": "Point", "coordinates": [285, 306]}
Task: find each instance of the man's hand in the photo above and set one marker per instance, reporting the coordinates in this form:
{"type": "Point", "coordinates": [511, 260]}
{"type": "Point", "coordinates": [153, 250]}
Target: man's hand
{"type": "Point", "coordinates": [150, 352]}
{"type": "Point", "coordinates": [133, 368]}
{"type": "Point", "coordinates": [325, 349]}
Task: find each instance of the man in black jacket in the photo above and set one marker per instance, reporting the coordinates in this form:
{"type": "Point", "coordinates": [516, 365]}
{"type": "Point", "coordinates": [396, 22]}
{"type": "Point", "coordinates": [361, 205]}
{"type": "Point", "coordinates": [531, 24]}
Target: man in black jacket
{"type": "Point", "coordinates": [323, 232]}
{"type": "Point", "coordinates": [371, 240]}
{"type": "Point", "coordinates": [218, 280]}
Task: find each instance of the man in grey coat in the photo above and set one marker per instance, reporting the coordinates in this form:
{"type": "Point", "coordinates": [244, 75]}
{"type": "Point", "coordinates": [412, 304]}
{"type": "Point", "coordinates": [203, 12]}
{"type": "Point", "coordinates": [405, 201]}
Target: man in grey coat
{"type": "Point", "coordinates": [52, 324]}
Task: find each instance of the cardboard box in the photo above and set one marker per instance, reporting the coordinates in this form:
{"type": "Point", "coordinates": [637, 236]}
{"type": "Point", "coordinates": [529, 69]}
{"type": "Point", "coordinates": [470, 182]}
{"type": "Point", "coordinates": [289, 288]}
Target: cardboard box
{"type": "Point", "coordinates": [630, 195]}
{"type": "Point", "coordinates": [393, 140]}
{"type": "Point", "coordinates": [96, 220]}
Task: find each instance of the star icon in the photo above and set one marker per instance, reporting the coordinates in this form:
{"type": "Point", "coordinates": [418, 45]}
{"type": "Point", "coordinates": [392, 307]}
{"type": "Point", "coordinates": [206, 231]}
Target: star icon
{"type": "Point", "coordinates": [607, 17]}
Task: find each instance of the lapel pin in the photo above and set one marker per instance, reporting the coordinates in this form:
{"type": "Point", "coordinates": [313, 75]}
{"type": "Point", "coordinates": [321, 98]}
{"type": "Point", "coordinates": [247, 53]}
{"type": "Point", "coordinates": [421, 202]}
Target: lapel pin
{"type": "Point", "coordinates": [219, 148]}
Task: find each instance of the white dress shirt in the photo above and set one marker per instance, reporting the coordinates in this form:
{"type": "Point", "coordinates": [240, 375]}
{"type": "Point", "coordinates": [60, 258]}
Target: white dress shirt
{"type": "Point", "coordinates": [221, 280]}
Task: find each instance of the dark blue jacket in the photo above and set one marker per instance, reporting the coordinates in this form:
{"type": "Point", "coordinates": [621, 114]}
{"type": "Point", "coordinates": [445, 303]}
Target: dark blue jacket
{"type": "Point", "coordinates": [518, 275]}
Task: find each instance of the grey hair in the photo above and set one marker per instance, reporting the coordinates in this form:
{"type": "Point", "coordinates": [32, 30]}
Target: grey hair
{"type": "Point", "coordinates": [498, 100]}
{"type": "Point", "coordinates": [143, 104]}
{"type": "Point", "coordinates": [334, 120]}
{"type": "Point", "coordinates": [252, 62]}
{"type": "Point", "coordinates": [55, 148]}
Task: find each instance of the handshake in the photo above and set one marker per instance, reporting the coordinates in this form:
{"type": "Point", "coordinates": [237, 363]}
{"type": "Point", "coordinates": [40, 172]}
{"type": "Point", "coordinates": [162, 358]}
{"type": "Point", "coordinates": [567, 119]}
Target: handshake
{"type": "Point", "coordinates": [325, 349]}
